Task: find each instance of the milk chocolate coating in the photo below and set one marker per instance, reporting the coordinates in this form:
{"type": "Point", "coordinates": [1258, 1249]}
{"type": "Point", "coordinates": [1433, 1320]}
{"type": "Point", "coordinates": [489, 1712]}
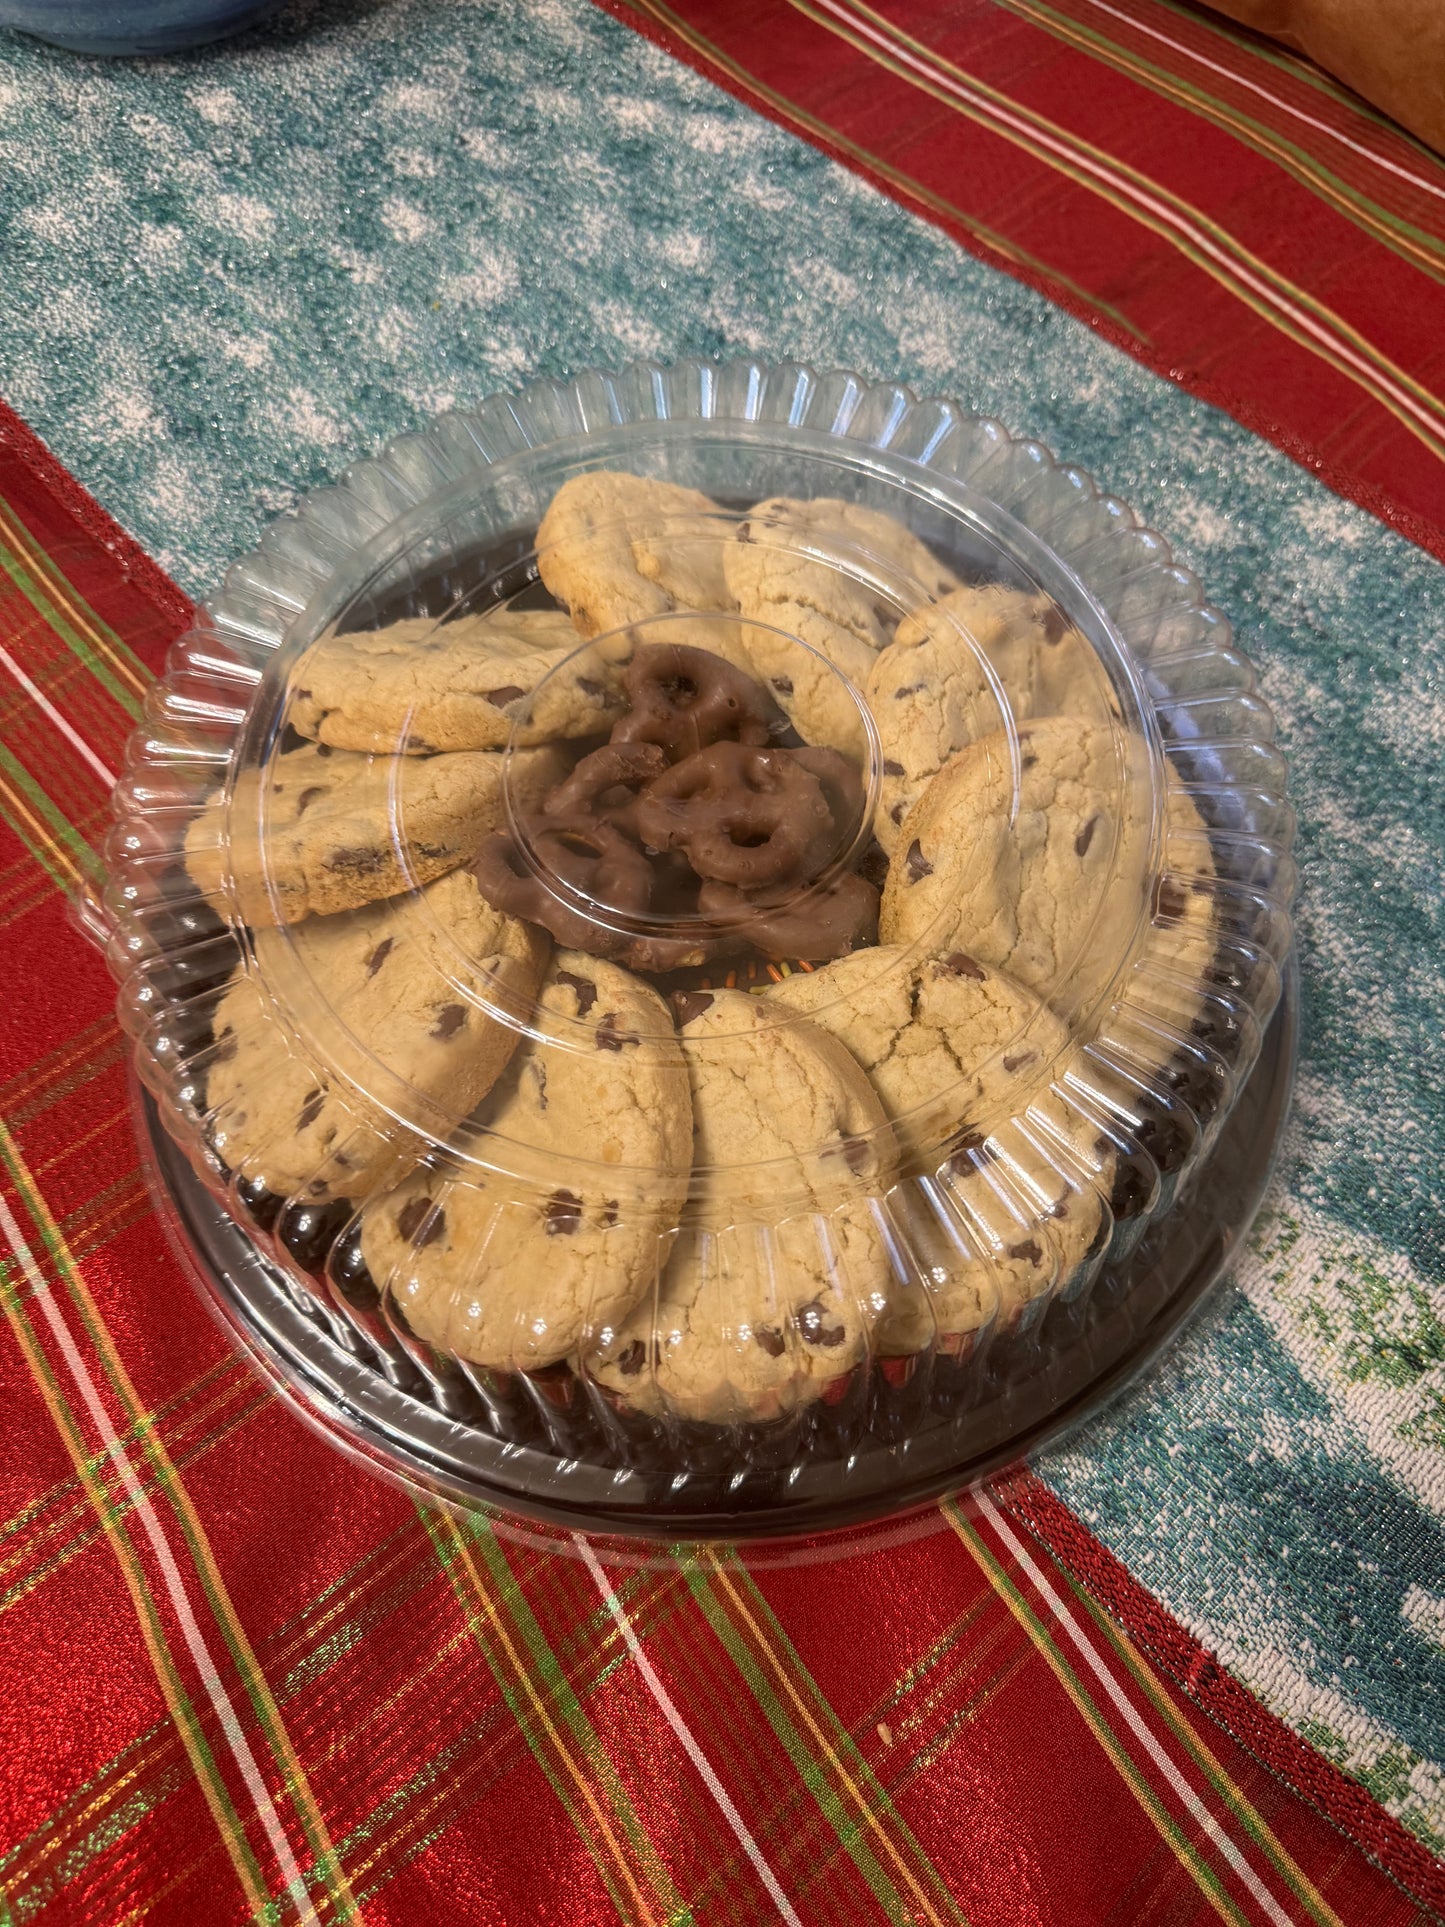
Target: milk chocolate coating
{"type": "Point", "coordinates": [743, 815]}
{"type": "Point", "coordinates": [688, 832]}
{"type": "Point", "coordinates": [600, 863]}
{"type": "Point", "coordinates": [824, 923]}
{"type": "Point", "coordinates": [605, 785]}
{"type": "Point", "coordinates": [593, 857]}
{"type": "Point", "coordinates": [685, 700]}
{"type": "Point", "coordinates": [842, 786]}
{"type": "Point", "coordinates": [660, 954]}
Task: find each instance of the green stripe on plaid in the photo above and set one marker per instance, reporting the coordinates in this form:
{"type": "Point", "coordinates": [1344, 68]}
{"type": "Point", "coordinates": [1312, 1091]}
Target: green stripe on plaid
{"type": "Point", "coordinates": [62, 1070]}
{"type": "Point", "coordinates": [1205, 1876]}
{"type": "Point", "coordinates": [1246, 1816]}
{"type": "Point", "coordinates": [453, 1542]}
{"type": "Point", "coordinates": [53, 819]}
{"type": "Point", "coordinates": [85, 1537]}
{"type": "Point", "coordinates": [182, 1708]}
{"type": "Point", "coordinates": [20, 823]}
{"type": "Point", "coordinates": [963, 1657]}
{"type": "Point", "coordinates": [1412, 243]}
{"type": "Point", "coordinates": [44, 586]}
{"type": "Point", "coordinates": [1208, 245]}
{"type": "Point", "coordinates": [65, 1489]}
{"type": "Point", "coordinates": [400, 1828]}
{"type": "Point", "coordinates": [799, 117]}
{"type": "Point", "coordinates": [69, 619]}
{"type": "Point", "coordinates": [87, 638]}
{"type": "Point", "coordinates": [87, 1228]}
{"type": "Point", "coordinates": [461, 1772]}
{"type": "Point", "coordinates": [102, 1837]}
{"type": "Point", "coordinates": [325, 1870]}
{"type": "Point", "coordinates": [848, 1809]}
{"type": "Point", "coordinates": [64, 1836]}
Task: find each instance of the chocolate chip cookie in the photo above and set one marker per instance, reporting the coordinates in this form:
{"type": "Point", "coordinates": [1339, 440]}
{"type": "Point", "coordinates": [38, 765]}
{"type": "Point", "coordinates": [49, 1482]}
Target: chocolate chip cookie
{"type": "Point", "coordinates": [949, 1044]}
{"type": "Point", "coordinates": [333, 818]}
{"type": "Point", "coordinates": [615, 548]}
{"type": "Point", "coordinates": [1171, 970]}
{"type": "Point", "coordinates": [416, 1000]}
{"type": "Point", "coordinates": [1044, 881]}
{"type": "Point", "coordinates": [996, 1235]}
{"type": "Point", "coordinates": [780, 1270]}
{"type": "Point", "coordinates": [841, 598]}
{"type": "Point", "coordinates": [1177, 1026]}
{"type": "Point", "coordinates": [959, 1054]}
{"type": "Point", "coordinates": [931, 693]}
{"type": "Point", "coordinates": [463, 685]}
{"type": "Point", "coordinates": [590, 1136]}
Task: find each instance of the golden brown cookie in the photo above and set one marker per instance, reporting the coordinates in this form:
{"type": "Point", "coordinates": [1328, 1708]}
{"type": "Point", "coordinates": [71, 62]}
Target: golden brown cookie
{"type": "Point", "coordinates": [996, 1235]}
{"type": "Point", "coordinates": [1020, 879]}
{"type": "Point", "coordinates": [332, 820]}
{"type": "Point", "coordinates": [949, 1044]}
{"type": "Point", "coordinates": [466, 684]}
{"type": "Point", "coordinates": [830, 573]}
{"type": "Point", "coordinates": [615, 548]}
{"type": "Point", "coordinates": [415, 999]}
{"type": "Point", "coordinates": [939, 685]}
{"type": "Point", "coordinates": [959, 1054]}
{"type": "Point", "coordinates": [590, 1132]}
{"type": "Point", "coordinates": [780, 1271]}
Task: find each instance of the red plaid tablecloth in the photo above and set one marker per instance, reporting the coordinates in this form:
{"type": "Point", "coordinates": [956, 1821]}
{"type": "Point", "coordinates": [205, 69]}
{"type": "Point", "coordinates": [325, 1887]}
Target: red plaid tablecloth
{"type": "Point", "coordinates": [1215, 206]}
{"type": "Point", "coordinates": [244, 1681]}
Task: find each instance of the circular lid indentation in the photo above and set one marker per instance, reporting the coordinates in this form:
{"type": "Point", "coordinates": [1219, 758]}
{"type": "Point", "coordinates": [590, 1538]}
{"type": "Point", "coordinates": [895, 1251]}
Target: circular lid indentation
{"type": "Point", "coordinates": [703, 826]}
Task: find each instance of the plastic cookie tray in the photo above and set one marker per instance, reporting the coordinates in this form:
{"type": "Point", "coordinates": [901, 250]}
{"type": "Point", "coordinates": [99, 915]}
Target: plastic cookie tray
{"type": "Point", "coordinates": [704, 949]}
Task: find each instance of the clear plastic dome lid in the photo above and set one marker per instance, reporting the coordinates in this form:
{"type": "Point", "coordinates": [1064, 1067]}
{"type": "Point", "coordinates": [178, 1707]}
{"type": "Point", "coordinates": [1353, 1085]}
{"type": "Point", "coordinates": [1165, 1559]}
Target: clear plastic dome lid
{"type": "Point", "coordinates": [706, 911]}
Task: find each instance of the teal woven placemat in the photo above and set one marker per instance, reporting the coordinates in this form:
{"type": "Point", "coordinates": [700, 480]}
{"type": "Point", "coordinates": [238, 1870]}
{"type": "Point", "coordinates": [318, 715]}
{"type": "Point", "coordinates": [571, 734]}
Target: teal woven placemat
{"type": "Point", "coordinates": [226, 276]}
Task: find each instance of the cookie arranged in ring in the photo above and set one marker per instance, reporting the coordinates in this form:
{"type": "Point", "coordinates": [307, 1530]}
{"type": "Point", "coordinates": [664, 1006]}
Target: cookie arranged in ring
{"type": "Point", "coordinates": [1177, 955]}
{"type": "Point", "coordinates": [333, 819]}
{"type": "Point", "coordinates": [824, 598]}
{"type": "Point", "coordinates": [947, 1043]}
{"type": "Point", "coordinates": [419, 686]}
{"type": "Point", "coordinates": [930, 692]}
{"type": "Point", "coordinates": [1044, 899]}
{"type": "Point", "coordinates": [1020, 878]}
{"type": "Point", "coordinates": [426, 989]}
{"type": "Point", "coordinates": [996, 1237]}
{"type": "Point", "coordinates": [780, 1271]}
{"type": "Point", "coordinates": [516, 1267]}
{"type": "Point", "coordinates": [615, 548]}
{"type": "Point", "coordinates": [699, 1208]}
{"type": "Point", "coordinates": [957, 1052]}
{"type": "Point", "coordinates": [1164, 1053]}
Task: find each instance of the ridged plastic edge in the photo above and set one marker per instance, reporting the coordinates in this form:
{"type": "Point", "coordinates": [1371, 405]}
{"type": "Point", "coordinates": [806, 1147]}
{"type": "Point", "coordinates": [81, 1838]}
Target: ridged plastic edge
{"type": "Point", "coordinates": [1106, 1120]}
